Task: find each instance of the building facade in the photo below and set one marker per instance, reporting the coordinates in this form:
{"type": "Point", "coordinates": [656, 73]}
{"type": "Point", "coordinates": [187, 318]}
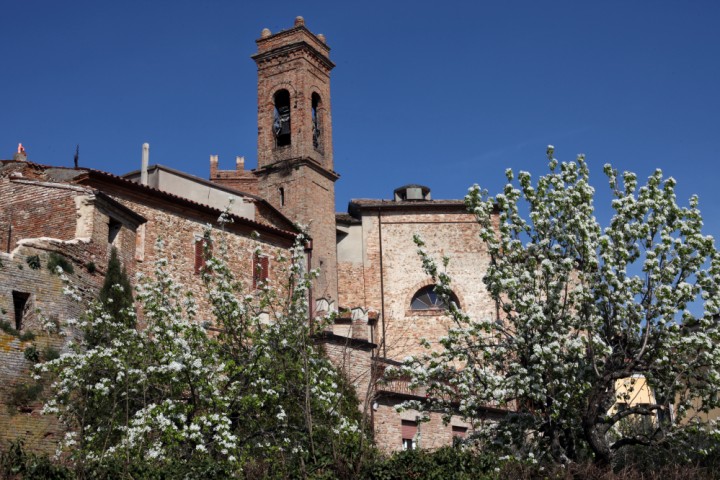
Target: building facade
{"type": "Point", "coordinates": [370, 275]}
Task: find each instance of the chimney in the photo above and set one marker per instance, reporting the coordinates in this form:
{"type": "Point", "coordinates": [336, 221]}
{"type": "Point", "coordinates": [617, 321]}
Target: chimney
{"type": "Point", "coordinates": [213, 166]}
{"type": "Point", "coordinates": [144, 164]}
{"type": "Point", "coordinates": [21, 155]}
{"type": "Point", "coordinates": [240, 163]}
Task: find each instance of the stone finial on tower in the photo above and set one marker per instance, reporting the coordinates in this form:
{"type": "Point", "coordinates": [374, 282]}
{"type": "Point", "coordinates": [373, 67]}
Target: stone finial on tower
{"type": "Point", "coordinates": [299, 21]}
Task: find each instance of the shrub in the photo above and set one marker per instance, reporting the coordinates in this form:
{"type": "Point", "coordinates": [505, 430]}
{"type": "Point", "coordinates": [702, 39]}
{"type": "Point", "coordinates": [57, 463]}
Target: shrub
{"type": "Point", "coordinates": [7, 327]}
{"type": "Point", "coordinates": [56, 260]}
{"type": "Point", "coordinates": [50, 353]}
{"type": "Point", "coordinates": [16, 463]}
{"type": "Point", "coordinates": [23, 394]}
{"type": "Point", "coordinates": [33, 262]}
{"type": "Point", "coordinates": [31, 353]}
{"type": "Point", "coordinates": [27, 336]}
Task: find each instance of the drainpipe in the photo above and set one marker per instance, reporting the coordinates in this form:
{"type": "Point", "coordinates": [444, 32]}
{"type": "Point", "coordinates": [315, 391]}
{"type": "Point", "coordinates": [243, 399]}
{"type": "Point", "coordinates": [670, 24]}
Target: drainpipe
{"type": "Point", "coordinates": [144, 165]}
{"type": "Point", "coordinates": [382, 286]}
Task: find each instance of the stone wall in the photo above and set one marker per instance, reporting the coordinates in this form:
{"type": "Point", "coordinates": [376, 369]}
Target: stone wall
{"type": "Point", "coordinates": [46, 302]}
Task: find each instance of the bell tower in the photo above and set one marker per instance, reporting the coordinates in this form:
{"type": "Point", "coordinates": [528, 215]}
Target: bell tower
{"type": "Point", "coordinates": [295, 155]}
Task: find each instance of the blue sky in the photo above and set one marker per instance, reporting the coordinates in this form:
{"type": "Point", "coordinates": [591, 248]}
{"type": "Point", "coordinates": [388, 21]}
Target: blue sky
{"type": "Point", "coordinates": [446, 94]}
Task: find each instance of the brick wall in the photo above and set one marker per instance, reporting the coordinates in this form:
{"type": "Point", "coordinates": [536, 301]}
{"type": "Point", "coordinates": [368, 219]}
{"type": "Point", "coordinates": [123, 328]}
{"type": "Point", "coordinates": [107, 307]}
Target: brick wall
{"type": "Point", "coordinates": [31, 211]}
{"type": "Point", "coordinates": [48, 301]}
{"type": "Point", "coordinates": [179, 233]}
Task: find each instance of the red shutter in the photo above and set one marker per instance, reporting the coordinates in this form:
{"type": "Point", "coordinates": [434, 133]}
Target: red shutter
{"type": "Point", "coordinates": [199, 255]}
{"type": "Point", "coordinates": [264, 268]}
{"type": "Point", "coordinates": [260, 269]}
{"type": "Point", "coordinates": [409, 429]}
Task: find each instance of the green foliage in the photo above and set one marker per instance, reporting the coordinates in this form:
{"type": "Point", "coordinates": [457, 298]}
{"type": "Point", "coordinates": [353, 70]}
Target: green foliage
{"type": "Point", "coordinates": [447, 463]}
{"type": "Point", "coordinates": [56, 260]}
{"type": "Point", "coordinates": [16, 463]}
{"type": "Point", "coordinates": [31, 354]}
{"type": "Point", "coordinates": [23, 394]}
{"type": "Point", "coordinates": [116, 293]}
{"type": "Point", "coordinates": [171, 400]}
{"type": "Point", "coordinates": [50, 353]}
{"type": "Point", "coordinates": [27, 336]}
{"type": "Point", "coordinates": [33, 262]}
{"type": "Point", "coordinates": [7, 327]}
{"type": "Point", "coordinates": [579, 307]}
{"type": "Point", "coordinates": [90, 267]}
{"type": "Point", "coordinates": [116, 300]}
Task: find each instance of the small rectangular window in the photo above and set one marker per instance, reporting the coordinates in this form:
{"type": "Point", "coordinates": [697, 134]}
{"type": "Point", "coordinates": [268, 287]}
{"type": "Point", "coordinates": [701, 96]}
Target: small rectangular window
{"type": "Point", "coordinates": [113, 229]}
{"type": "Point", "coordinates": [409, 432]}
{"type": "Point", "coordinates": [260, 269]}
{"type": "Point", "coordinates": [202, 254]}
{"type": "Point", "coordinates": [460, 432]}
{"type": "Point", "coordinates": [21, 306]}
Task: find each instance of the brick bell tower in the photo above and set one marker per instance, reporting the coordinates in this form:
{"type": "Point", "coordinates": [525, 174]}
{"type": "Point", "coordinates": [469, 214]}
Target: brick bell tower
{"type": "Point", "coordinates": [295, 155]}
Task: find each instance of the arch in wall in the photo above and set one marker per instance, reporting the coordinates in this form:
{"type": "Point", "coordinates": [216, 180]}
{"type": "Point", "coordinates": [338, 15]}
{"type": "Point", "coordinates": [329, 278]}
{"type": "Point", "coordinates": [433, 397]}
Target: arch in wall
{"type": "Point", "coordinates": [424, 299]}
{"type": "Point", "coordinates": [281, 126]}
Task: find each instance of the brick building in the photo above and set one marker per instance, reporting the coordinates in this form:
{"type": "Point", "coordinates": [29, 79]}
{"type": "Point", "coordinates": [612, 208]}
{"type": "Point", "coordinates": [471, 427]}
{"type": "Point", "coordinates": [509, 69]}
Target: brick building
{"type": "Point", "coordinates": [370, 272]}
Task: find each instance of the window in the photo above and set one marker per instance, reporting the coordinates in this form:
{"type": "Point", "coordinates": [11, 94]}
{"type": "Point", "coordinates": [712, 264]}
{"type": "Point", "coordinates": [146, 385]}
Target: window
{"type": "Point", "coordinates": [281, 121]}
{"type": "Point", "coordinates": [460, 432]}
{"type": "Point", "coordinates": [409, 432]}
{"type": "Point", "coordinates": [316, 124]}
{"type": "Point", "coordinates": [203, 251]}
{"type": "Point", "coordinates": [260, 270]}
{"type": "Point", "coordinates": [113, 229]}
{"type": "Point", "coordinates": [427, 299]}
{"type": "Point", "coordinates": [281, 191]}
{"type": "Point", "coordinates": [21, 306]}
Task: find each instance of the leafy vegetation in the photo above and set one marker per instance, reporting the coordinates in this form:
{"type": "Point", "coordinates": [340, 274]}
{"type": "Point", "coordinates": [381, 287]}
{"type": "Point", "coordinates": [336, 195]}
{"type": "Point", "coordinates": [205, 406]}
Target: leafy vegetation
{"type": "Point", "coordinates": [253, 396]}
{"type": "Point", "coordinates": [581, 307]}
{"type": "Point", "coordinates": [56, 260]}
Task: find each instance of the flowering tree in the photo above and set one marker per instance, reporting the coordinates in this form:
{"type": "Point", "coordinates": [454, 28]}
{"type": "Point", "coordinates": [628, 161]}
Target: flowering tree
{"type": "Point", "coordinates": [579, 308]}
{"type": "Point", "coordinates": [244, 394]}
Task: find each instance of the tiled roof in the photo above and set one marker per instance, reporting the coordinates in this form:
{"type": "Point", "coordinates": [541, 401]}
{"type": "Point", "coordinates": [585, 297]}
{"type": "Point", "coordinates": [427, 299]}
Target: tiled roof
{"type": "Point", "coordinates": [342, 217]}
{"type": "Point", "coordinates": [86, 175]}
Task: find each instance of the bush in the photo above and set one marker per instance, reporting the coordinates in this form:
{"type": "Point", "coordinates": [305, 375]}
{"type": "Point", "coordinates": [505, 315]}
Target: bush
{"type": "Point", "coordinates": [57, 260]}
{"type": "Point", "coordinates": [31, 353]}
{"type": "Point", "coordinates": [50, 353]}
{"type": "Point", "coordinates": [27, 336]}
{"type": "Point", "coordinates": [16, 463]}
{"type": "Point", "coordinates": [7, 327]}
{"type": "Point", "coordinates": [445, 463]}
{"type": "Point", "coordinates": [23, 394]}
{"type": "Point", "coordinates": [33, 262]}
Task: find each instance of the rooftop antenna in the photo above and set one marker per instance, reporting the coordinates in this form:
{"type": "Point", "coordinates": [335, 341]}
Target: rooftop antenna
{"type": "Point", "coordinates": [144, 164]}
{"type": "Point", "coordinates": [76, 159]}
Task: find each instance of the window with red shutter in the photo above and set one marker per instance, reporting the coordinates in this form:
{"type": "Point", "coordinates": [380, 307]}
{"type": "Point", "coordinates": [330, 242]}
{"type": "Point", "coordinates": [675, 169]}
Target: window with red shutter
{"type": "Point", "coordinates": [201, 255]}
{"type": "Point", "coordinates": [260, 269]}
{"type": "Point", "coordinates": [409, 432]}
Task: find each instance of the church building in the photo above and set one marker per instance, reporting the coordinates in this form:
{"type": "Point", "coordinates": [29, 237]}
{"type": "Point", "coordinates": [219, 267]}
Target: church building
{"type": "Point", "coordinates": [370, 274]}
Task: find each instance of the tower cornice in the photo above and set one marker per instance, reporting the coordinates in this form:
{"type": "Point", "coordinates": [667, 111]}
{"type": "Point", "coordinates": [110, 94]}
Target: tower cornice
{"type": "Point", "coordinates": [281, 165]}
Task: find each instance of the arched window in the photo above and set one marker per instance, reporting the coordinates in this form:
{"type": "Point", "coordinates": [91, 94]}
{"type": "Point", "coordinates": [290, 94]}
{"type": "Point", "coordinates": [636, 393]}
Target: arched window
{"type": "Point", "coordinates": [316, 123]}
{"type": "Point", "coordinates": [281, 122]}
{"type": "Point", "coordinates": [427, 299]}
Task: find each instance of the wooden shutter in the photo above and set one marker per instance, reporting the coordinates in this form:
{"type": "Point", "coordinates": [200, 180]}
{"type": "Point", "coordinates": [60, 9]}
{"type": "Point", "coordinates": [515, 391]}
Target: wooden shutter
{"type": "Point", "coordinates": [260, 269]}
{"type": "Point", "coordinates": [409, 429]}
{"type": "Point", "coordinates": [200, 256]}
